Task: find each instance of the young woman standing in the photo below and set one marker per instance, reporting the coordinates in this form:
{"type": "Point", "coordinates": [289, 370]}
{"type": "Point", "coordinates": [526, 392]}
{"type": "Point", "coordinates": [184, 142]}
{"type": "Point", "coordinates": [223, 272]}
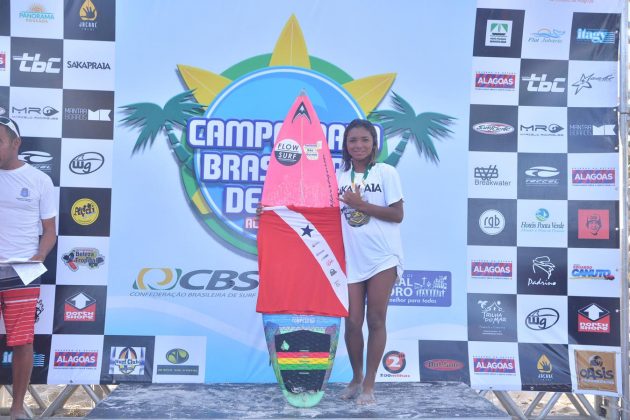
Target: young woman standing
{"type": "Point", "coordinates": [371, 212]}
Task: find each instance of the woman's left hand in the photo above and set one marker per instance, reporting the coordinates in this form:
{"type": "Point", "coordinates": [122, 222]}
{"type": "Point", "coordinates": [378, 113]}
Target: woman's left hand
{"type": "Point", "coordinates": [353, 198]}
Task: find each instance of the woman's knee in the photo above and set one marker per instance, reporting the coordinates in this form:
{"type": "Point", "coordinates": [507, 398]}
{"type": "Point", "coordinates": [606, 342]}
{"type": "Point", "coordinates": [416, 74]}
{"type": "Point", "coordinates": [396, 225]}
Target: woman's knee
{"type": "Point", "coordinates": [375, 321]}
{"type": "Point", "coordinates": [353, 325]}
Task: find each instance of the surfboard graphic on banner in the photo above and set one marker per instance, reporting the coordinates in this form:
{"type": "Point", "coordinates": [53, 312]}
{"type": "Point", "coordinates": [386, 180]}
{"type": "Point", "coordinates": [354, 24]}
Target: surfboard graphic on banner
{"type": "Point", "coordinates": [303, 288]}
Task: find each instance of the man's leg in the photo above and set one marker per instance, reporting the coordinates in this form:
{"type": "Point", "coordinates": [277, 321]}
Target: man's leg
{"type": "Point", "coordinates": [22, 368]}
{"type": "Point", "coordinates": [19, 319]}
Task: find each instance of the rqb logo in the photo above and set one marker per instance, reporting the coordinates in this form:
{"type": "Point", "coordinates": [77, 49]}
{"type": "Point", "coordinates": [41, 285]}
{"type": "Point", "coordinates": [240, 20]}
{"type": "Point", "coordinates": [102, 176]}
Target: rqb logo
{"type": "Point", "coordinates": [492, 222]}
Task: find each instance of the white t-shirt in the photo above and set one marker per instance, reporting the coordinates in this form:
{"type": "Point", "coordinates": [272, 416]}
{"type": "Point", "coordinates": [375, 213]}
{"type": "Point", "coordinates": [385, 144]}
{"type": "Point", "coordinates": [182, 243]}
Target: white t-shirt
{"type": "Point", "coordinates": [26, 197]}
{"type": "Point", "coordinates": [371, 245]}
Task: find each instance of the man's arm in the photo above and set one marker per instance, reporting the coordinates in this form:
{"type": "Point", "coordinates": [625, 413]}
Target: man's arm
{"type": "Point", "coordinates": [47, 240]}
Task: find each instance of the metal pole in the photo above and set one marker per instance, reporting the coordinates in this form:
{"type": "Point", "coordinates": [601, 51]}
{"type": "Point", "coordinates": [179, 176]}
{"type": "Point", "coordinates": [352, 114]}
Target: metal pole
{"type": "Point", "coordinates": [623, 151]}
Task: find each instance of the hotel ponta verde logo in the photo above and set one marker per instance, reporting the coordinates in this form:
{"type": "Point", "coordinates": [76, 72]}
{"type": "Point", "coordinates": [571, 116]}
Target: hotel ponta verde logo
{"type": "Point", "coordinates": [229, 121]}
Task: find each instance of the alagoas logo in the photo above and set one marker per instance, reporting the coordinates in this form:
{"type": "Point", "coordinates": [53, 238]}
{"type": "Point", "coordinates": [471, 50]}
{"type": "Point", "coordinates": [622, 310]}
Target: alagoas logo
{"type": "Point", "coordinates": [491, 269]}
{"type": "Point", "coordinates": [84, 359]}
{"type": "Point", "coordinates": [226, 141]}
{"type": "Point", "coordinates": [501, 81]}
{"type": "Point", "coordinates": [603, 177]}
{"type": "Point", "coordinates": [494, 365]}
{"type": "Point", "coordinates": [594, 319]}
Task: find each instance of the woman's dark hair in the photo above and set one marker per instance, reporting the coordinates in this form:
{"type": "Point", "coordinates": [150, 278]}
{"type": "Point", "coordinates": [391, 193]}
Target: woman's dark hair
{"type": "Point", "coordinates": [347, 160]}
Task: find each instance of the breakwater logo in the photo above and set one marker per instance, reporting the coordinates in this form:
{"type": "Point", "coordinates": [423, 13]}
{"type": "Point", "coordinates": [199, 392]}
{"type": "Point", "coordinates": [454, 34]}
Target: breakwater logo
{"type": "Point", "coordinates": [223, 126]}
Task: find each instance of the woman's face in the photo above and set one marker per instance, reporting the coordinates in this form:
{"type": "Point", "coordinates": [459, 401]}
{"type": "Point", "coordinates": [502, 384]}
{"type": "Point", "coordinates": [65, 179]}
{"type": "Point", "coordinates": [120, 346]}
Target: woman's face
{"type": "Point", "coordinates": [360, 143]}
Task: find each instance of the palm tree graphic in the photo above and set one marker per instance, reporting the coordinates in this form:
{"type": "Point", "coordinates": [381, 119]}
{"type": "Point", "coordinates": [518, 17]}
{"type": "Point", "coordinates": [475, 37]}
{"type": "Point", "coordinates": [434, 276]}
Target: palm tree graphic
{"type": "Point", "coordinates": [421, 128]}
{"type": "Point", "coordinates": [152, 119]}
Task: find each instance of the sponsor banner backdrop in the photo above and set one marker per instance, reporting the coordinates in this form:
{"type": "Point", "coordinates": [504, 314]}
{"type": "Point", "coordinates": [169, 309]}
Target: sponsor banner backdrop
{"type": "Point", "coordinates": [516, 270]}
{"type": "Point", "coordinates": [564, 252]}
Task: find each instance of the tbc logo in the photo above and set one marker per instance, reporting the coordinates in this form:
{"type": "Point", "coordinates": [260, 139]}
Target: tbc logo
{"type": "Point", "coordinates": [394, 361]}
{"type": "Point", "coordinates": [540, 84]}
{"type": "Point", "coordinates": [169, 278]}
{"type": "Point", "coordinates": [32, 64]}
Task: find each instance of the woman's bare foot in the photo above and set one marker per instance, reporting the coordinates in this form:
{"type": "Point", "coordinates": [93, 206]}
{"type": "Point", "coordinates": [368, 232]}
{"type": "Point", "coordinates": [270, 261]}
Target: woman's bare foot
{"type": "Point", "coordinates": [366, 398]}
{"type": "Point", "coordinates": [351, 391]}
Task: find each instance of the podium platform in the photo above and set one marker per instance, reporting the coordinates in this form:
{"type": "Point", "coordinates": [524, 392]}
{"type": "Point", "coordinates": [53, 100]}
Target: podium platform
{"type": "Point", "coordinates": [444, 400]}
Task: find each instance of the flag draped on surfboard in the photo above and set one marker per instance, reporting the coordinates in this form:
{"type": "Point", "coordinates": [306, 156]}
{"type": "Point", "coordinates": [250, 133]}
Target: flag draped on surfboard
{"type": "Point", "coordinates": [300, 248]}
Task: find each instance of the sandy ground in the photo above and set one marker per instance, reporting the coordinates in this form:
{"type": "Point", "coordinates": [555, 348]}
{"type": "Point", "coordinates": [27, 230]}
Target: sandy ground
{"type": "Point", "coordinates": [80, 404]}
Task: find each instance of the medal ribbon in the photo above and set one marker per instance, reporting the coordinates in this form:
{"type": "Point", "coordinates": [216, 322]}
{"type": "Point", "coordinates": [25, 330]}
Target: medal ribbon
{"type": "Point", "coordinates": [365, 175]}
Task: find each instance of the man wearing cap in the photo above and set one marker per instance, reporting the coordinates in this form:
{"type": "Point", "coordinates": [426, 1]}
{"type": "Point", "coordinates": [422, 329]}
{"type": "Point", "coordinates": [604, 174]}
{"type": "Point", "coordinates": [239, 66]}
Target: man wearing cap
{"type": "Point", "coordinates": [27, 232]}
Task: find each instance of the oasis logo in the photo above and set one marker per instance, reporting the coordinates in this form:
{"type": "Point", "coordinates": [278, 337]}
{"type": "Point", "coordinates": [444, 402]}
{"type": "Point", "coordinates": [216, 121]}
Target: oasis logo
{"type": "Point", "coordinates": [33, 64]}
{"type": "Point", "coordinates": [503, 81]}
{"type": "Point", "coordinates": [75, 358]}
{"type": "Point", "coordinates": [540, 83]}
{"type": "Point", "coordinates": [596, 370]}
{"type": "Point", "coordinates": [394, 361]}
{"type": "Point", "coordinates": [542, 319]}
{"type": "Point", "coordinates": [504, 365]}
{"type": "Point", "coordinates": [493, 128]}
{"type": "Point", "coordinates": [491, 269]}
{"type": "Point", "coordinates": [594, 319]}
{"type": "Point", "coordinates": [86, 163]}
{"type": "Point", "coordinates": [593, 176]}
{"type": "Point", "coordinates": [167, 279]}
{"type": "Point", "coordinates": [587, 272]}
{"type": "Point", "coordinates": [80, 307]}
{"type": "Point", "coordinates": [443, 365]}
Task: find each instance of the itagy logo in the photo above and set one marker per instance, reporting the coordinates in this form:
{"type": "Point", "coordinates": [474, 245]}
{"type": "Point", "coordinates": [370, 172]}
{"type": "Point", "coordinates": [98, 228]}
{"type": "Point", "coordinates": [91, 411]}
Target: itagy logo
{"type": "Point", "coordinates": [235, 153]}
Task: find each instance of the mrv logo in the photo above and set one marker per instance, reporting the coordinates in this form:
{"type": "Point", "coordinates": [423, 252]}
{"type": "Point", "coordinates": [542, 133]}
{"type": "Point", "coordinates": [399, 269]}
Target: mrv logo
{"type": "Point", "coordinates": [175, 282]}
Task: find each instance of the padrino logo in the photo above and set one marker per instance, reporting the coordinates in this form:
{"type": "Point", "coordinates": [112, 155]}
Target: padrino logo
{"type": "Point", "coordinates": [229, 122]}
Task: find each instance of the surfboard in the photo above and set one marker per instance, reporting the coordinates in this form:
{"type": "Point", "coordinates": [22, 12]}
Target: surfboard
{"type": "Point", "coordinates": [303, 289]}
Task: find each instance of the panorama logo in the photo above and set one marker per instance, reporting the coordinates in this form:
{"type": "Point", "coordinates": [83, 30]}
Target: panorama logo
{"type": "Point", "coordinates": [603, 177]}
{"type": "Point", "coordinates": [224, 152]}
{"type": "Point", "coordinates": [36, 13]}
